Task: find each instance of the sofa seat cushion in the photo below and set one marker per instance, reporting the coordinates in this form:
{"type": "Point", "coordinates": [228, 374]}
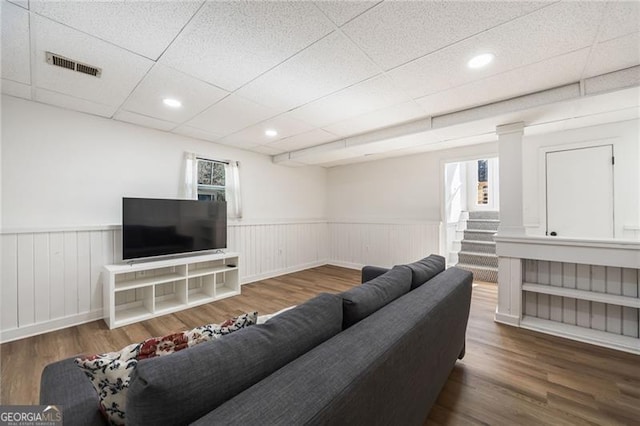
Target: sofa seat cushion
{"type": "Point", "coordinates": [361, 301]}
{"type": "Point", "coordinates": [182, 388]}
{"type": "Point", "coordinates": [425, 269]}
{"type": "Point", "coordinates": [110, 373]}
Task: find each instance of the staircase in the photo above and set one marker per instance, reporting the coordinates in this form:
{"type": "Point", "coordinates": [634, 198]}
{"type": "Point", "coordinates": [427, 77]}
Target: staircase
{"type": "Point", "coordinates": [477, 249]}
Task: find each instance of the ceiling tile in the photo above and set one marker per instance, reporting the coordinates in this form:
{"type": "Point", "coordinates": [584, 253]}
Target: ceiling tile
{"type": "Point", "coordinates": [396, 32]}
{"type": "Point", "coordinates": [268, 150]}
{"type": "Point", "coordinates": [121, 70]}
{"type": "Point", "coordinates": [164, 82]}
{"type": "Point", "coordinates": [304, 140]}
{"type": "Point", "coordinates": [329, 65]}
{"type": "Point", "coordinates": [15, 43]}
{"type": "Point", "coordinates": [612, 55]}
{"type": "Point", "coordinates": [192, 132]}
{"type": "Point", "coordinates": [542, 75]}
{"type": "Point", "coordinates": [231, 43]}
{"type": "Point", "coordinates": [341, 12]}
{"type": "Point", "coordinates": [21, 3]}
{"type": "Point", "coordinates": [231, 114]}
{"type": "Point", "coordinates": [143, 27]}
{"type": "Point", "coordinates": [12, 88]}
{"type": "Point", "coordinates": [254, 135]}
{"type": "Point", "coordinates": [375, 93]}
{"type": "Point", "coordinates": [384, 117]}
{"type": "Point", "coordinates": [552, 31]}
{"type": "Point", "coordinates": [143, 120]}
{"type": "Point", "coordinates": [69, 102]}
{"type": "Point", "coordinates": [621, 18]}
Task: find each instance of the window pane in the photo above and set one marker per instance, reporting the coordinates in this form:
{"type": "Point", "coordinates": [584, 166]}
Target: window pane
{"type": "Point", "coordinates": [217, 177]}
{"type": "Point", "coordinates": [483, 184]}
{"type": "Point", "coordinates": [208, 194]}
{"type": "Point", "coordinates": [204, 172]}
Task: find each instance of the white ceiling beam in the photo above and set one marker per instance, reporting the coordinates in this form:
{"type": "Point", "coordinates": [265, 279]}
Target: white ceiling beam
{"type": "Point", "coordinates": [617, 80]}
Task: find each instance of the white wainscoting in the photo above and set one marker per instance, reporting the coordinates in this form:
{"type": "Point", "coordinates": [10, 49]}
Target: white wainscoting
{"type": "Point", "coordinates": [52, 279]}
{"type": "Point", "coordinates": [355, 244]}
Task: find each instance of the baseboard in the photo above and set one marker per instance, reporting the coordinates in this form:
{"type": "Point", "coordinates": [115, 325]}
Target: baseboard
{"type": "Point", "coordinates": [348, 265]}
{"type": "Point", "coordinates": [49, 326]}
{"type": "Point", "coordinates": [507, 319]}
{"type": "Point", "coordinates": [278, 272]}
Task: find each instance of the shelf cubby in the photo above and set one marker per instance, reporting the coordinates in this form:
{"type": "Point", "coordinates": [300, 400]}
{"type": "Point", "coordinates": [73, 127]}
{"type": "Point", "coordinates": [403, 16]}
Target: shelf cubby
{"type": "Point", "coordinates": [227, 284]}
{"type": "Point", "coordinates": [137, 305]}
{"type": "Point", "coordinates": [139, 291]}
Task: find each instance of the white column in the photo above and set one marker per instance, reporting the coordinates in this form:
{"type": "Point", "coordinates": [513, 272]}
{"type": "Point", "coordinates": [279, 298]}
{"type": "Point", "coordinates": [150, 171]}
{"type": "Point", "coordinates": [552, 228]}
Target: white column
{"type": "Point", "coordinates": [509, 309]}
{"type": "Point", "coordinates": [510, 154]}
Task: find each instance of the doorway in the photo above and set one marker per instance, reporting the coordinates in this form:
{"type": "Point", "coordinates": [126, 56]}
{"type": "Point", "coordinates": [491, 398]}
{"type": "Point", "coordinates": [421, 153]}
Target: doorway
{"type": "Point", "coordinates": [471, 203]}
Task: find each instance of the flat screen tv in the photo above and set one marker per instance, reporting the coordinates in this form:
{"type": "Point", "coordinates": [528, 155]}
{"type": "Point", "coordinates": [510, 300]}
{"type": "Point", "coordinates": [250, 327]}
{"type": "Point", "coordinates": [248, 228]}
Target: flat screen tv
{"type": "Point", "coordinates": [157, 227]}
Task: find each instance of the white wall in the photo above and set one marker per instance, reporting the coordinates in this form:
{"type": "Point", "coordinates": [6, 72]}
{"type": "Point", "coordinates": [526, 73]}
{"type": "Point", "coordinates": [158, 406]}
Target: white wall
{"type": "Point", "coordinates": [63, 176]}
{"type": "Point", "coordinates": [625, 138]}
{"type": "Point", "coordinates": [403, 188]}
{"type": "Point", "coordinates": [62, 168]}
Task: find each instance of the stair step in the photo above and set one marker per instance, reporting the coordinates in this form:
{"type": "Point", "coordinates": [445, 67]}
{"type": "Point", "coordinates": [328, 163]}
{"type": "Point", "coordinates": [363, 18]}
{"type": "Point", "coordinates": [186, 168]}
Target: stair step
{"type": "Point", "coordinates": [481, 273]}
{"type": "Point", "coordinates": [478, 259]}
{"type": "Point", "coordinates": [478, 246]}
{"type": "Point", "coordinates": [479, 235]}
{"type": "Point", "coordinates": [482, 224]}
{"type": "Point", "coordinates": [484, 214]}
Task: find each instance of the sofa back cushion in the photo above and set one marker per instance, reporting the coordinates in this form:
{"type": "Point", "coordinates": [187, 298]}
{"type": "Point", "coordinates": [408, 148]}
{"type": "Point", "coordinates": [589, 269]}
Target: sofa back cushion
{"type": "Point", "coordinates": [361, 301]}
{"type": "Point", "coordinates": [425, 269]}
{"type": "Point", "coordinates": [181, 388]}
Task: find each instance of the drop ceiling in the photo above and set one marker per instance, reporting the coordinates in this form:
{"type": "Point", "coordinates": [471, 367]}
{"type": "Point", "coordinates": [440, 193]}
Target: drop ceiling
{"type": "Point", "coordinates": [321, 73]}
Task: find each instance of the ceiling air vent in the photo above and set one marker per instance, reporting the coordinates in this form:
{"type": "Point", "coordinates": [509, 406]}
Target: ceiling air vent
{"type": "Point", "coordinates": [61, 61]}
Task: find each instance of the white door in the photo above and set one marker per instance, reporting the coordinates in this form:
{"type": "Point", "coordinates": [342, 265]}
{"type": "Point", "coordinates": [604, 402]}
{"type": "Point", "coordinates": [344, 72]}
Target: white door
{"type": "Point", "coordinates": [580, 192]}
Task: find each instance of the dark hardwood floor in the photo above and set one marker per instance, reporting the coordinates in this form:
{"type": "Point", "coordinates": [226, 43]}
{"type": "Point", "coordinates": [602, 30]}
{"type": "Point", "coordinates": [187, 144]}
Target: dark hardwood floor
{"type": "Point", "coordinates": [509, 376]}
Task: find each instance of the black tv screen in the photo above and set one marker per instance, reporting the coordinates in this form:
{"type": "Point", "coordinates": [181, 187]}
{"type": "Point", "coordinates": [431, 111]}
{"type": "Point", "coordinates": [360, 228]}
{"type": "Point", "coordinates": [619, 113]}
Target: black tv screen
{"type": "Point", "coordinates": [156, 227]}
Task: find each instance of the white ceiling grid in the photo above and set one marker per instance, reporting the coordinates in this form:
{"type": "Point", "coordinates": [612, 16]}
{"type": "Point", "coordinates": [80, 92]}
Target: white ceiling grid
{"type": "Point", "coordinates": [314, 71]}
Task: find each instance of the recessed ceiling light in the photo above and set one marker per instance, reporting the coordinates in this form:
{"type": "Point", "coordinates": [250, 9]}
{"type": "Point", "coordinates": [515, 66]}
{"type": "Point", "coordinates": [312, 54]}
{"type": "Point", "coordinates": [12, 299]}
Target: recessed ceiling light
{"type": "Point", "coordinates": [480, 60]}
{"type": "Point", "coordinates": [173, 103]}
{"type": "Point", "coordinates": [271, 133]}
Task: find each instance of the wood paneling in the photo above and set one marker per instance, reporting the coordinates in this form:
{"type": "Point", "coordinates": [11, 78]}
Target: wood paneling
{"type": "Point", "coordinates": [607, 317]}
{"type": "Point", "coordinates": [385, 244]}
{"type": "Point", "coordinates": [509, 376]}
{"type": "Point", "coordinates": [58, 274]}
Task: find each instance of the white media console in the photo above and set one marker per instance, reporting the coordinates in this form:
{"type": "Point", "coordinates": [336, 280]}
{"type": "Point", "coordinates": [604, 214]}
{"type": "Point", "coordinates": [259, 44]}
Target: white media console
{"type": "Point", "coordinates": [139, 291]}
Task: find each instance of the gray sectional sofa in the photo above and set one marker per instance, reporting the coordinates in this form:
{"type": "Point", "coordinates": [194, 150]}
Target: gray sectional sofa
{"type": "Point", "coordinates": [377, 354]}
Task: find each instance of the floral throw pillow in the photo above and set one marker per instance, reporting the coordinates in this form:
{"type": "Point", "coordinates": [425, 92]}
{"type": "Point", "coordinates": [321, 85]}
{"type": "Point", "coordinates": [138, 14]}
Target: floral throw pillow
{"type": "Point", "coordinates": [110, 373]}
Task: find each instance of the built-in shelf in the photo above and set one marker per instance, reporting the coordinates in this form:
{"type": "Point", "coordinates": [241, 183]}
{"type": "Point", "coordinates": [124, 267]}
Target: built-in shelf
{"type": "Point", "coordinates": [208, 271]}
{"type": "Point", "coordinates": [165, 286]}
{"type": "Point", "coordinates": [225, 291]}
{"type": "Point", "coordinates": [198, 298]}
{"type": "Point", "coordinates": [145, 281]}
{"type": "Point", "coordinates": [132, 314]}
{"type": "Point", "coordinates": [582, 334]}
{"type": "Point", "coordinates": [169, 305]}
{"type": "Point", "coordinates": [613, 299]}
{"type": "Point", "coordinates": [581, 289]}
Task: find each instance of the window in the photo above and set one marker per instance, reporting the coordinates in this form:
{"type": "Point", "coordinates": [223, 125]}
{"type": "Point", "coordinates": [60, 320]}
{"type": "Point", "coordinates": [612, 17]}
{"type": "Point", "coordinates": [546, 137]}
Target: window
{"type": "Point", "coordinates": [214, 180]}
{"type": "Point", "coordinates": [211, 180]}
{"type": "Point", "coordinates": [483, 182]}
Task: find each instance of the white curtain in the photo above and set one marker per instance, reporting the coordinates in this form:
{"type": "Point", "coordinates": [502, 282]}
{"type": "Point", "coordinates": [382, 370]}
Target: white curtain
{"type": "Point", "coordinates": [232, 187]}
{"type": "Point", "coordinates": [190, 183]}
